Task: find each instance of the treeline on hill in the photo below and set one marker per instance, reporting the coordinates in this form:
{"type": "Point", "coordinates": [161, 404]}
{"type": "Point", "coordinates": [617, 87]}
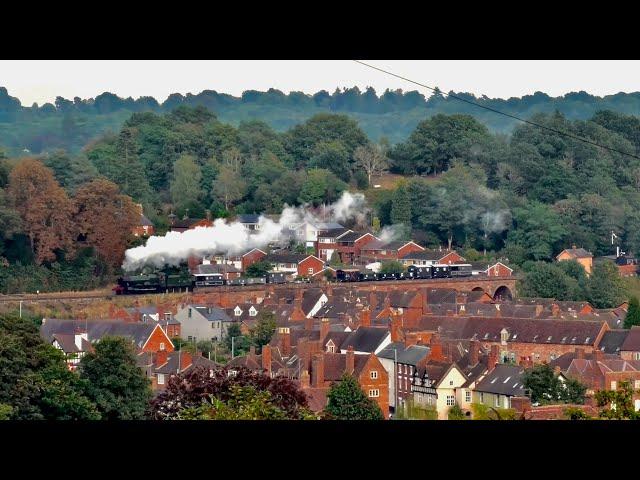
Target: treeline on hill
{"type": "Point", "coordinates": [521, 197]}
{"type": "Point", "coordinates": [70, 124]}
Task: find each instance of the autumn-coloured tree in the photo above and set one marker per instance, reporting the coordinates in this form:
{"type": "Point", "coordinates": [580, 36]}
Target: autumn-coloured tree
{"type": "Point", "coordinates": [105, 218]}
{"type": "Point", "coordinates": [44, 207]}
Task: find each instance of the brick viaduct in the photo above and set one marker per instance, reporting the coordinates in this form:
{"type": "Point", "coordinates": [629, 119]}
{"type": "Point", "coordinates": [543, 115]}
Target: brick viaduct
{"type": "Point", "coordinates": [502, 287]}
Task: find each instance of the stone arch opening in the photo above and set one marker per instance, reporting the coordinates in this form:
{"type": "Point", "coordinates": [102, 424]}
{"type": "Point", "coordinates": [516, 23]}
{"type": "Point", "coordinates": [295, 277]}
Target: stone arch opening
{"type": "Point", "coordinates": [503, 293]}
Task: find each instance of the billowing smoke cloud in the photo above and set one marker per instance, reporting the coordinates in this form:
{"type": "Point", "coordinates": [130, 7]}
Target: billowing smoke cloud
{"type": "Point", "coordinates": [391, 233]}
{"type": "Point", "coordinates": [232, 237]}
{"type": "Point", "coordinates": [495, 222]}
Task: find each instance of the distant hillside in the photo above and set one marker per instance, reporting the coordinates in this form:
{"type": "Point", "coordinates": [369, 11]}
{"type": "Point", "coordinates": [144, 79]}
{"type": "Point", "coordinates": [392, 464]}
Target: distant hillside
{"type": "Point", "coordinates": [71, 124]}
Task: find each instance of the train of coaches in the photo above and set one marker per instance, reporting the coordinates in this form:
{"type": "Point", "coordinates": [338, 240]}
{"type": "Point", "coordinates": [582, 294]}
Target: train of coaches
{"type": "Point", "coordinates": [178, 279]}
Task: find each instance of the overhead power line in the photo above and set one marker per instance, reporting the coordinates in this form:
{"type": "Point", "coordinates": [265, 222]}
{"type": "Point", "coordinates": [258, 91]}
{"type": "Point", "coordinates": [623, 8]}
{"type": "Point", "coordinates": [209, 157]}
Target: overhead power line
{"type": "Point", "coordinates": [529, 122]}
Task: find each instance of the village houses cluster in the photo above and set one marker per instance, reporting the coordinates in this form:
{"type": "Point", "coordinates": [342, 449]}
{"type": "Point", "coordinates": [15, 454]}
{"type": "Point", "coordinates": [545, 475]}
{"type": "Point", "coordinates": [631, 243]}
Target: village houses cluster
{"type": "Point", "coordinates": [434, 344]}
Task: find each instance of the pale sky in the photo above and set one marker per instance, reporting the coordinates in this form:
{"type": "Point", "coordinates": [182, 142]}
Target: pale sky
{"type": "Point", "coordinates": [41, 81]}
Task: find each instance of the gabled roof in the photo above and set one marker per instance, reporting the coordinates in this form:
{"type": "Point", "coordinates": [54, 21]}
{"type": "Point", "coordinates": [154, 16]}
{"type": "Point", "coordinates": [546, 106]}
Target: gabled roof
{"type": "Point", "coordinates": [214, 268]}
{"type": "Point", "coordinates": [523, 330]}
{"type": "Point", "coordinates": [176, 361]}
{"type": "Point", "coordinates": [68, 343]}
{"type": "Point", "coordinates": [632, 342]}
{"type": "Point", "coordinates": [286, 257]}
{"type": "Point", "coordinates": [432, 255]}
{"type": "Point", "coordinates": [402, 299]}
{"type": "Point", "coordinates": [576, 253]}
{"type": "Point", "coordinates": [139, 333]}
{"type": "Point", "coordinates": [394, 245]}
{"type": "Point", "coordinates": [503, 380]}
{"type": "Point", "coordinates": [365, 339]}
{"type": "Point", "coordinates": [248, 218]}
{"type": "Point", "coordinates": [613, 340]}
{"type": "Point", "coordinates": [351, 236]}
{"type": "Point", "coordinates": [411, 355]}
{"type": "Point", "coordinates": [212, 313]}
{"type": "Point", "coordinates": [310, 298]}
{"type": "Point", "coordinates": [441, 295]}
{"type": "Point", "coordinates": [335, 365]}
{"type": "Point", "coordinates": [144, 221]}
{"type": "Point", "coordinates": [333, 232]}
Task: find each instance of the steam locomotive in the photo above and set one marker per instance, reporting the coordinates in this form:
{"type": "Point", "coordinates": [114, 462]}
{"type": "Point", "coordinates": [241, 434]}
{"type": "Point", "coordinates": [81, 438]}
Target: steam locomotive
{"type": "Point", "coordinates": [179, 278]}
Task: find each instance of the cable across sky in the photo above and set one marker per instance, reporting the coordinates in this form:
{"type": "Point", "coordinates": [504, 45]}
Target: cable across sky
{"type": "Point", "coordinates": [529, 122]}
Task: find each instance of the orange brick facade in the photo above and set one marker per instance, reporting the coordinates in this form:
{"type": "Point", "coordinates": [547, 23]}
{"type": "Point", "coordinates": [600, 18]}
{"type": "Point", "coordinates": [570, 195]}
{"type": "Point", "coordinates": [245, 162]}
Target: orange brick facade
{"type": "Point", "coordinates": [156, 340]}
{"type": "Point", "coordinates": [310, 266]}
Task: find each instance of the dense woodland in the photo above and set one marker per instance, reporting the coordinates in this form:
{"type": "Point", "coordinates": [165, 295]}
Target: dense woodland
{"type": "Point", "coordinates": [521, 196]}
{"type": "Point", "coordinates": [71, 123]}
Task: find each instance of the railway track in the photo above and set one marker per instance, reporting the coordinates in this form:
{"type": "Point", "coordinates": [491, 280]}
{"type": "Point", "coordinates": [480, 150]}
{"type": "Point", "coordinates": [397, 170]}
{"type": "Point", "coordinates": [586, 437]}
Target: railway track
{"type": "Point", "coordinates": [108, 295]}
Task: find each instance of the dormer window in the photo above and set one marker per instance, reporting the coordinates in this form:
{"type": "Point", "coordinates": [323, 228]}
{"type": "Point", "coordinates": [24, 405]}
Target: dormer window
{"type": "Point", "coordinates": [237, 311]}
{"type": "Point", "coordinates": [253, 312]}
{"type": "Point", "coordinates": [504, 335]}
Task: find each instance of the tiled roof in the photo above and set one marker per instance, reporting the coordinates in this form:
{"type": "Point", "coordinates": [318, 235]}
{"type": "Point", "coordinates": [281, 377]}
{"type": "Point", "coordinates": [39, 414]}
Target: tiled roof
{"type": "Point", "coordinates": [407, 355]}
{"type": "Point", "coordinates": [285, 257]}
{"type": "Point", "coordinates": [632, 342]}
{"type": "Point", "coordinates": [365, 339]}
{"type": "Point", "coordinates": [577, 252]}
{"type": "Point", "coordinates": [503, 380]}
{"type": "Point", "coordinates": [96, 329]}
{"type": "Point", "coordinates": [335, 365]}
{"type": "Point", "coordinates": [432, 255]}
{"type": "Point", "coordinates": [613, 340]}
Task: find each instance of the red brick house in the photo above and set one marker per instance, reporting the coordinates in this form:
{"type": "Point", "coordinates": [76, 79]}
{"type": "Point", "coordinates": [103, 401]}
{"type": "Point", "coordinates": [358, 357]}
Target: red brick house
{"type": "Point", "coordinates": [630, 349]}
{"type": "Point", "coordinates": [252, 256]}
{"type": "Point", "coordinates": [328, 368]}
{"type": "Point", "coordinates": [377, 250]}
{"type": "Point", "coordinates": [295, 264]}
{"type": "Point", "coordinates": [145, 226]}
{"type": "Point", "coordinates": [346, 244]}
{"type": "Point", "coordinates": [430, 257]}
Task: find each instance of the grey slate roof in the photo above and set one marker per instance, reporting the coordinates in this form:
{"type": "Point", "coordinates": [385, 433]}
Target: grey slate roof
{"type": "Point", "coordinates": [248, 218]}
{"type": "Point", "coordinates": [578, 252]}
{"type": "Point", "coordinates": [613, 340]}
{"type": "Point", "coordinates": [410, 355]}
{"type": "Point", "coordinates": [97, 329]}
{"type": "Point", "coordinates": [503, 380]}
{"type": "Point", "coordinates": [365, 339]}
{"type": "Point", "coordinates": [285, 257]}
{"type": "Point", "coordinates": [212, 313]}
{"type": "Point", "coordinates": [351, 236]}
{"type": "Point", "coordinates": [215, 268]}
{"type": "Point", "coordinates": [176, 358]}
{"type": "Point", "coordinates": [632, 342]}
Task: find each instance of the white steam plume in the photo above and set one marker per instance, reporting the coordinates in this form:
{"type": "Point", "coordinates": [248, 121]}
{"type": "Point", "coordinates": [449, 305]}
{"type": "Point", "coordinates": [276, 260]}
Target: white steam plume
{"type": "Point", "coordinates": [232, 238]}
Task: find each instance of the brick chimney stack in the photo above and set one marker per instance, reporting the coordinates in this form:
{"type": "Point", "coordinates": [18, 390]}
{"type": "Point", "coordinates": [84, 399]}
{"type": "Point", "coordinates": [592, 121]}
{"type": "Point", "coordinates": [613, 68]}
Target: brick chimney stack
{"type": "Point", "coordinates": [436, 348]}
{"type": "Point", "coordinates": [285, 340]}
{"type": "Point", "coordinates": [324, 329]}
{"type": "Point", "coordinates": [365, 317]}
{"type": "Point", "coordinates": [580, 353]}
{"type": "Point", "coordinates": [308, 324]}
{"type": "Point", "coordinates": [395, 327]}
{"type": "Point", "coordinates": [266, 359]}
{"type": "Point", "coordinates": [474, 348]}
{"type": "Point", "coordinates": [411, 339]}
{"type": "Point", "coordinates": [598, 355]}
{"type": "Point", "coordinates": [493, 357]}
{"type": "Point", "coordinates": [350, 361]}
{"type": "Point", "coordinates": [318, 370]}
{"type": "Point", "coordinates": [373, 300]}
{"type": "Point", "coordinates": [303, 353]}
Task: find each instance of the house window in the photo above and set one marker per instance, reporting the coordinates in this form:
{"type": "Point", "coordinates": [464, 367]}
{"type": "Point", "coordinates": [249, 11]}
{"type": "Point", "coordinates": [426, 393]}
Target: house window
{"type": "Point", "coordinates": [637, 385]}
{"type": "Point", "coordinates": [636, 355]}
{"type": "Point", "coordinates": [161, 346]}
{"type": "Point", "coordinates": [161, 379]}
{"type": "Point", "coordinates": [373, 374]}
{"type": "Point", "coordinates": [614, 385]}
{"type": "Point", "coordinates": [213, 324]}
{"type": "Point", "coordinates": [237, 311]}
{"type": "Point", "coordinates": [331, 349]}
{"type": "Point", "coordinates": [497, 401]}
{"type": "Point", "coordinates": [481, 396]}
{"type": "Point", "coordinates": [310, 271]}
{"type": "Point", "coordinates": [451, 382]}
{"type": "Point", "coordinates": [451, 400]}
{"type": "Point", "coordinates": [467, 395]}
{"type": "Point", "coordinates": [190, 338]}
{"type": "Point", "coordinates": [374, 393]}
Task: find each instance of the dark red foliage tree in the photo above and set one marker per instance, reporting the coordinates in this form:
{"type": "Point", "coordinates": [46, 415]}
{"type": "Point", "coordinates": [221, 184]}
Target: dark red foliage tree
{"type": "Point", "coordinates": [190, 389]}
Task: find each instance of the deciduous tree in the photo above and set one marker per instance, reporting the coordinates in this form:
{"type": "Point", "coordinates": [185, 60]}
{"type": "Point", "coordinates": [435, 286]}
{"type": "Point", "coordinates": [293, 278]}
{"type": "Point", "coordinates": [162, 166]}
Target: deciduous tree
{"type": "Point", "coordinates": [105, 218]}
{"type": "Point", "coordinates": [347, 401]}
{"type": "Point", "coordinates": [44, 208]}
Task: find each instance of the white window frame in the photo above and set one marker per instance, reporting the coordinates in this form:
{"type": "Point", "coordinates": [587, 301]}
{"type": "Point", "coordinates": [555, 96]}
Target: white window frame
{"type": "Point", "coordinates": [310, 270]}
{"type": "Point", "coordinates": [373, 374]}
{"type": "Point", "coordinates": [467, 396]}
{"type": "Point", "coordinates": [614, 385]}
{"type": "Point", "coordinates": [451, 400]}
{"type": "Point", "coordinates": [161, 379]}
{"type": "Point", "coordinates": [374, 393]}
{"type": "Point", "coordinates": [161, 345]}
